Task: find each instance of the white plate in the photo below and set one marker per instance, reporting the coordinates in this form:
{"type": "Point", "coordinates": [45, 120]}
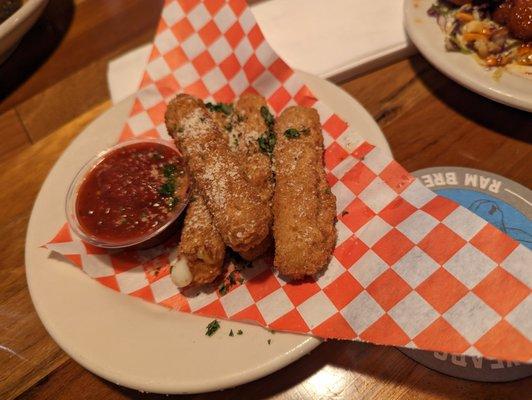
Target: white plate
{"type": "Point", "coordinates": [511, 89]}
{"type": "Point", "coordinates": [132, 342]}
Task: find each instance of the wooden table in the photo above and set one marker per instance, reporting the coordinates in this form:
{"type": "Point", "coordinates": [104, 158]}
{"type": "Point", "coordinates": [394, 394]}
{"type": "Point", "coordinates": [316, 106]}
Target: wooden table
{"type": "Point", "coordinates": [55, 84]}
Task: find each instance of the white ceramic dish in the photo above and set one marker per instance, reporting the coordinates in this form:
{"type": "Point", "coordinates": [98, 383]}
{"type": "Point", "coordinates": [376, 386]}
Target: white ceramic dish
{"type": "Point", "coordinates": [510, 89]}
{"type": "Point", "coordinates": [13, 28]}
{"type": "Point", "coordinates": [132, 342]}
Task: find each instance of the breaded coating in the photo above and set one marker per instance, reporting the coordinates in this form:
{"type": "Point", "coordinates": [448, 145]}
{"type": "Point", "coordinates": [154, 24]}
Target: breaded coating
{"type": "Point", "coordinates": [239, 215]}
{"type": "Point", "coordinates": [248, 125]}
{"type": "Point", "coordinates": [201, 244]}
{"type": "Point", "coordinates": [259, 250]}
{"type": "Point", "coordinates": [304, 208]}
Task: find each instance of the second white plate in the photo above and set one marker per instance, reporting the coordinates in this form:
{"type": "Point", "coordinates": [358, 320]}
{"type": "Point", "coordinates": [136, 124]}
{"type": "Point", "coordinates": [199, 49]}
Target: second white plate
{"type": "Point", "coordinates": [134, 343]}
{"type": "Point", "coordinates": [510, 89]}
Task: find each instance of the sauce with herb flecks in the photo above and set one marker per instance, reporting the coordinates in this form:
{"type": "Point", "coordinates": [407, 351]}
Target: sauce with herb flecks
{"type": "Point", "coordinates": [132, 192]}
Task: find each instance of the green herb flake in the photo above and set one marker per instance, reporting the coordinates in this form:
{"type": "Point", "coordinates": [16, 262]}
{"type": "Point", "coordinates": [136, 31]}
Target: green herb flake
{"type": "Point", "coordinates": [292, 133]}
{"type": "Point", "coordinates": [223, 289]}
{"type": "Point", "coordinates": [267, 142]}
{"type": "Point", "coordinates": [231, 333]}
{"type": "Point", "coordinates": [169, 170]}
{"type": "Point", "coordinates": [171, 202]}
{"type": "Point", "coordinates": [239, 332]}
{"type": "Point", "coordinates": [167, 189]}
{"type": "Point", "coordinates": [267, 116]}
{"type": "Point", "coordinates": [212, 328]}
{"type": "Point", "coordinates": [230, 281]}
{"type": "Point", "coordinates": [226, 108]}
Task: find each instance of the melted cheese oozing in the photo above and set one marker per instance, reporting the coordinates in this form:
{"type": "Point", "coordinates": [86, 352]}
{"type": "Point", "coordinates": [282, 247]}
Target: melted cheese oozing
{"type": "Point", "coordinates": [180, 273]}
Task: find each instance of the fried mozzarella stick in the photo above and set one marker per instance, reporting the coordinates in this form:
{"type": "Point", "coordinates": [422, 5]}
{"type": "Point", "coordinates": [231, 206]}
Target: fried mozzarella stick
{"type": "Point", "coordinates": [199, 257]}
{"type": "Point", "coordinates": [238, 214]}
{"type": "Point", "coordinates": [252, 123]}
{"type": "Point", "coordinates": [304, 208]}
{"type": "Point", "coordinates": [201, 250]}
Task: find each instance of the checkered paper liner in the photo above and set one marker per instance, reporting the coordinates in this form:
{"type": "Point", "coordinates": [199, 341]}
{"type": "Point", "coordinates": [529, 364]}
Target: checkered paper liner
{"type": "Point", "coordinates": [410, 268]}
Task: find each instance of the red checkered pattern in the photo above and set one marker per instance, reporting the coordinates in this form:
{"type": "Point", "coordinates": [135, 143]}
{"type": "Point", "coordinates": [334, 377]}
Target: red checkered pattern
{"type": "Point", "coordinates": [409, 269]}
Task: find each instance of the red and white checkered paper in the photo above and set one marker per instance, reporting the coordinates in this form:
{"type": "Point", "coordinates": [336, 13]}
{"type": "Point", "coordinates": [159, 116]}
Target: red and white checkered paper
{"type": "Point", "coordinates": [410, 268]}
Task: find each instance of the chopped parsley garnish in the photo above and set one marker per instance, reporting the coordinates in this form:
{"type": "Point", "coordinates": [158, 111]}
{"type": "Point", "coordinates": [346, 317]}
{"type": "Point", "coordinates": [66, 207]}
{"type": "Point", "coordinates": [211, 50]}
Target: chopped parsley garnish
{"type": "Point", "coordinates": [171, 202]}
{"type": "Point", "coordinates": [169, 170]}
{"type": "Point", "coordinates": [226, 108]}
{"type": "Point", "coordinates": [268, 139]}
{"type": "Point", "coordinates": [292, 133]}
{"type": "Point", "coordinates": [239, 332]}
{"type": "Point", "coordinates": [231, 333]}
{"type": "Point", "coordinates": [212, 328]}
{"type": "Point", "coordinates": [223, 289]}
{"type": "Point", "coordinates": [267, 142]}
{"type": "Point", "coordinates": [267, 115]}
{"type": "Point", "coordinates": [167, 189]}
{"type": "Point", "coordinates": [229, 282]}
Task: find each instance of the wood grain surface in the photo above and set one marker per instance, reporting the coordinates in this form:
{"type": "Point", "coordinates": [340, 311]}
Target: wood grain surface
{"type": "Point", "coordinates": [54, 85]}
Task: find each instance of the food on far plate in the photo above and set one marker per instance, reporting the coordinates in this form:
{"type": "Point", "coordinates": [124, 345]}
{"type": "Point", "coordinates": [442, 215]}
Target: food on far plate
{"type": "Point", "coordinates": [239, 215]}
{"type": "Point", "coordinates": [498, 33]}
{"type": "Point", "coordinates": [201, 251]}
{"type": "Point", "coordinates": [304, 208]}
{"type": "Point", "coordinates": [129, 194]}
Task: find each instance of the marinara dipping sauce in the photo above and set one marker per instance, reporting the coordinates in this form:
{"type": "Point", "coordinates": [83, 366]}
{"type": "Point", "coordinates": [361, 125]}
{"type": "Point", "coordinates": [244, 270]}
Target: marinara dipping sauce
{"type": "Point", "coordinates": [129, 195]}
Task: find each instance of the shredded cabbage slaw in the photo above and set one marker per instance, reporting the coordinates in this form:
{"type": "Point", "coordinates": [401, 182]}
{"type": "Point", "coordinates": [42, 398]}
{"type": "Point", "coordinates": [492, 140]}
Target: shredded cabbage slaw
{"type": "Point", "coordinates": [469, 29]}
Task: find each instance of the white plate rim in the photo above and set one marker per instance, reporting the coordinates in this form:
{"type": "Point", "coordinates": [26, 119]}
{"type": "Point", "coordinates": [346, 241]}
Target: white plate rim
{"type": "Point", "coordinates": [463, 69]}
{"type": "Point", "coordinates": [58, 326]}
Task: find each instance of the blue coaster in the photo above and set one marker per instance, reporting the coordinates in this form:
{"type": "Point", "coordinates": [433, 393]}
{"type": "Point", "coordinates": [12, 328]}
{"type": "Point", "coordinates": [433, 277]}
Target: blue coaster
{"type": "Point", "coordinates": [508, 206]}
